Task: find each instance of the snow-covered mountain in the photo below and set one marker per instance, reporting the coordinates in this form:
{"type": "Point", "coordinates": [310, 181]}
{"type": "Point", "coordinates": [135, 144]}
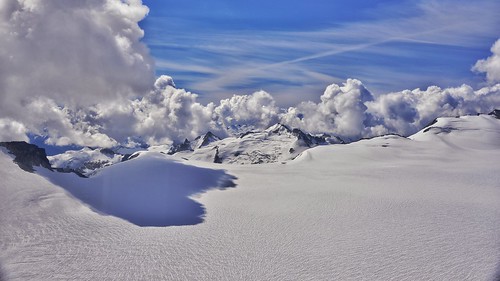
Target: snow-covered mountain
{"type": "Point", "coordinates": [275, 144]}
{"type": "Point", "coordinates": [387, 208]}
{"type": "Point", "coordinates": [463, 132]}
{"type": "Point", "coordinates": [86, 161]}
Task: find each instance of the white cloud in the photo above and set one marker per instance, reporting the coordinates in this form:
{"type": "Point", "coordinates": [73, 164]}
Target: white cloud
{"type": "Point", "coordinates": [78, 52]}
{"type": "Point", "coordinates": [490, 65]}
{"type": "Point", "coordinates": [12, 130]}
{"type": "Point", "coordinates": [342, 111]}
{"type": "Point", "coordinates": [351, 112]}
{"type": "Point", "coordinates": [64, 126]}
{"type": "Point", "coordinates": [407, 111]}
{"type": "Point", "coordinates": [169, 114]}
{"type": "Point", "coordinates": [258, 109]}
{"type": "Point", "coordinates": [69, 54]}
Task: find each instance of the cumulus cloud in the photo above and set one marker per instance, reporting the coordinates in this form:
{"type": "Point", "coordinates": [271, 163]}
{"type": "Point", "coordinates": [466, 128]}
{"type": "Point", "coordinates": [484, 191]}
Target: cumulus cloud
{"type": "Point", "coordinates": [12, 130]}
{"type": "Point", "coordinates": [163, 115]}
{"type": "Point", "coordinates": [342, 111]}
{"type": "Point", "coordinates": [62, 125]}
{"type": "Point", "coordinates": [408, 111]}
{"type": "Point", "coordinates": [490, 65]}
{"type": "Point", "coordinates": [168, 114]}
{"type": "Point", "coordinates": [73, 51]}
{"type": "Point", "coordinates": [258, 109]}
{"type": "Point", "coordinates": [77, 53]}
{"type": "Point", "coordinates": [351, 112]}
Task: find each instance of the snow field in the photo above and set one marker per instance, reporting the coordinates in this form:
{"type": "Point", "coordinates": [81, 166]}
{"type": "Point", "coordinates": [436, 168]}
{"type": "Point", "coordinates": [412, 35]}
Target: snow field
{"type": "Point", "coordinates": [388, 208]}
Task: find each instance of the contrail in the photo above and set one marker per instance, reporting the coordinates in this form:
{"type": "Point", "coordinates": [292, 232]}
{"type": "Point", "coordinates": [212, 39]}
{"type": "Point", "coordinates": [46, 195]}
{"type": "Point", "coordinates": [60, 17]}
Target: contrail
{"type": "Point", "coordinates": [356, 47]}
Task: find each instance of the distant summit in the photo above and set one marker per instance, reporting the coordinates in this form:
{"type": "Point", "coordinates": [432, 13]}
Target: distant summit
{"type": "Point", "coordinates": [275, 144]}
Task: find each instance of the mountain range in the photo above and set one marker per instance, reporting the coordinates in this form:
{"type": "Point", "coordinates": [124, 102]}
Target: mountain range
{"type": "Point", "coordinates": [278, 143]}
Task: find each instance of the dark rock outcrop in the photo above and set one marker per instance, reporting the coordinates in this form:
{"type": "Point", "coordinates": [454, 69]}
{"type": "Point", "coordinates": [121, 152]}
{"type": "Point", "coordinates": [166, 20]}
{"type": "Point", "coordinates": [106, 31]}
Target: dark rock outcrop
{"type": "Point", "coordinates": [495, 113]}
{"type": "Point", "coordinates": [428, 126]}
{"type": "Point", "coordinates": [217, 158]}
{"type": "Point", "coordinates": [246, 134]}
{"type": "Point", "coordinates": [108, 152]}
{"type": "Point", "coordinates": [27, 155]}
{"type": "Point", "coordinates": [69, 170]}
{"type": "Point", "coordinates": [127, 157]}
{"type": "Point", "coordinates": [185, 146]}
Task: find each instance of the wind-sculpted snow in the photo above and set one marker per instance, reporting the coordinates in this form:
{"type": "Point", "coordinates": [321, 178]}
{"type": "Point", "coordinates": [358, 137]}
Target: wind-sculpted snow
{"type": "Point", "coordinates": [388, 208]}
{"type": "Point", "coordinates": [149, 190]}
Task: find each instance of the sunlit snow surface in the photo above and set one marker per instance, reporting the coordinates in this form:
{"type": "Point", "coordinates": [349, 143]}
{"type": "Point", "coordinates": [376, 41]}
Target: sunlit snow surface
{"type": "Point", "coordinates": [389, 208]}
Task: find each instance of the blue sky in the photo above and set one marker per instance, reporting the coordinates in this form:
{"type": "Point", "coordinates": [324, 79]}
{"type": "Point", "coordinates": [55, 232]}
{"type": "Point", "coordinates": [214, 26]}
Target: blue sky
{"type": "Point", "coordinates": [294, 49]}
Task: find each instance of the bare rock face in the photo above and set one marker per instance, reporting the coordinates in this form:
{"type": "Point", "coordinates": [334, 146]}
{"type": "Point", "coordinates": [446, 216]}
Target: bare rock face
{"type": "Point", "coordinates": [206, 139]}
{"type": "Point", "coordinates": [495, 113]}
{"type": "Point", "coordinates": [27, 155]}
{"type": "Point", "coordinates": [185, 146]}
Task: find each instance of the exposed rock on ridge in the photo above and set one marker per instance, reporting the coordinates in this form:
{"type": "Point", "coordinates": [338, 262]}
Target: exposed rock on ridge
{"type": "Point", "coordinates": [27, 155]}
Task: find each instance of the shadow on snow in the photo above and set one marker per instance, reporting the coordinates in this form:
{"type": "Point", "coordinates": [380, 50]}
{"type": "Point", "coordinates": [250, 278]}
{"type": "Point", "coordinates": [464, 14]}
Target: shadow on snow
{"type": "Point", "coordinates": [147, 191]}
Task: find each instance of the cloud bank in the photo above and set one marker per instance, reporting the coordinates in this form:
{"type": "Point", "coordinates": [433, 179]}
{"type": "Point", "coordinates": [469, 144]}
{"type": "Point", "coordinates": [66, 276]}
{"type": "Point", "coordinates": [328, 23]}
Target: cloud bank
{"type": "Point", "coordinates": [351, 112]}
{"type": "Point", "coordinates": [168, 114]}
{"type": "Point", "coordinates": [90, 82]}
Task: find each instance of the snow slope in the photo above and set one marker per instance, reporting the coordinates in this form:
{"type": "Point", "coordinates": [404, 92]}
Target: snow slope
{"type": "Point", "coordinates": [390, 208]}
{"type": "Point", "coordinates": [149, 190]}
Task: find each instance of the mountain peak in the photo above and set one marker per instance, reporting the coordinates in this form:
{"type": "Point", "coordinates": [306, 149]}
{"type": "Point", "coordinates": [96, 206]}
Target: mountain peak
{"type": "Point", "coordinates": [278, 128]}
{"type": "Point", "coordinates": [206, 139]}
